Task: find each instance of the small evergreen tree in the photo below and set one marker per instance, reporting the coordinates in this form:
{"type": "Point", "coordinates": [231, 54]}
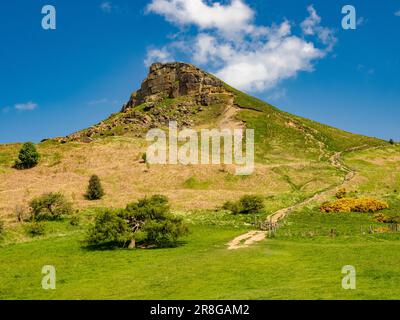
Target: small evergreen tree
{"type": "Point", "coordinates": [95, 190]}
{"type": "Point", "coordinates": [28, 156]}
{"type": "Point", "coordinates": [391, 141]}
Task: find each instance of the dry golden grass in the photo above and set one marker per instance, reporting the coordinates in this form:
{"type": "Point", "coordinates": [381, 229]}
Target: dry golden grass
{"type": "Point", "coordinates": [125, 179]}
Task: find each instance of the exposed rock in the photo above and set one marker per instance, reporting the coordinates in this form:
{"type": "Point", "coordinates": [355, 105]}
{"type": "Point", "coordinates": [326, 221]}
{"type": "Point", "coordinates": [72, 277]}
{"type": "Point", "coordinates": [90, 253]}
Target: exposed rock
{"type": "Point", "coordinates": [172, 80]}
{"type": "Point", "coordinates": [191, 88]}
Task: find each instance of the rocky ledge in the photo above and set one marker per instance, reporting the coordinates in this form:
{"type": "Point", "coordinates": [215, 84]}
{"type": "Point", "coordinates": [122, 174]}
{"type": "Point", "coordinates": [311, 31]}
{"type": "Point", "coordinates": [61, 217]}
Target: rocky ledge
{"type": "Point", "coordinates": [172, 80]}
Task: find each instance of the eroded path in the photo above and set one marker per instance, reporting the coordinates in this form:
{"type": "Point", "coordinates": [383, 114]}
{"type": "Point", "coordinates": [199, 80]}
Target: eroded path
{"type": "Point", "coordinates": [246, 239]}
{"type": "Point", "coordinates": [251, 237]}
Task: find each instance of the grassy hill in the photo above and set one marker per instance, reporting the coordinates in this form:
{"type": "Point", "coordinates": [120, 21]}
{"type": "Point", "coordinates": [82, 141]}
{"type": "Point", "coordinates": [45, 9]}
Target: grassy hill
{"type": "Point", "coordinates": [297, 160]}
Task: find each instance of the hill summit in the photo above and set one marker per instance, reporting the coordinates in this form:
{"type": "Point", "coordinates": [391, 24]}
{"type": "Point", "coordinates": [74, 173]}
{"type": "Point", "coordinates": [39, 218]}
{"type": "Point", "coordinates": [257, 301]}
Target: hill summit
{"type": "Point", "coordinates": [173, 80]}
{"type": "Point", "coordinates": [184, 93]}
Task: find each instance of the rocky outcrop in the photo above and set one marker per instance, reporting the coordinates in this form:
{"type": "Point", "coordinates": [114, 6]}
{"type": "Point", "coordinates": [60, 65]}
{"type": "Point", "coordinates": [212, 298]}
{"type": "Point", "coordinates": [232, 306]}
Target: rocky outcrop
{"type": "Point", "coordinates": [172, 80]}
{"type": "Point", "coordinates": [171, 92]}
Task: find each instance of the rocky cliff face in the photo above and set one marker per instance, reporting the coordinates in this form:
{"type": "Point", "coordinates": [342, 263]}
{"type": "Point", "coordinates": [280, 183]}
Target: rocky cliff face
{"type": "Point", "coordinates": [171, 92]}
{"type": "Point", "coordinates": [172, 80]}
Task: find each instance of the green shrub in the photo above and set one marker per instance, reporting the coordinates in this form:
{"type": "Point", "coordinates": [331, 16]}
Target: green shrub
{"type": "Point", "coordinates": [391, 141]}
{"type": "Point", "coordinates": [95, 190]}
{"type": "Point", "coordinates": [109, 229]}
{"type": "Point", "coordinates": [251, 204]}
{"type": "Point", "coordinates": [35, 229]}
{"type": "Point", "coordinates": [1, 227]}
{"type": "Point", "coordinates": [147, 222]}
{"type": "Point", "coordinates": [50, 206]}
{"type": "Point", "coordinates": [28, 156]}
{"type": "Point", "coordinates": [233, 207]}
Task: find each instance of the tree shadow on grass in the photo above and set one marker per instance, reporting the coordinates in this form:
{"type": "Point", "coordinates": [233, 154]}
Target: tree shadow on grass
{"type": "Point", "coordinates": [119, 246]}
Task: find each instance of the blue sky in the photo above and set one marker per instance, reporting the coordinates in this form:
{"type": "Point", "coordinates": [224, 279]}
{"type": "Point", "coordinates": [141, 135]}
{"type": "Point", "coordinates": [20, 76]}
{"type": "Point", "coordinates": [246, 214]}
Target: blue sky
{"type": "Point", "coordinates": [294, 54]}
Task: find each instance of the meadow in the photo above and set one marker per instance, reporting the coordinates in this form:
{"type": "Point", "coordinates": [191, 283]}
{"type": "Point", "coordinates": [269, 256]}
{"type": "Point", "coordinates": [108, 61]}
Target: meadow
{"type": "Point", "coordinates": [302, 261]}
{"type": "Point", "coordinates": [296, 160]}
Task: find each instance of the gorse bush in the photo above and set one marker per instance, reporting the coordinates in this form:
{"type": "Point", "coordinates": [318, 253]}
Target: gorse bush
{"type": "Point", "coordinates": [354, 205]}
{"type": "Point", "coordinates": [249, 204]}
{"type": "Point", "coordinates": [341, 193]}
{"type": "Point", "coordinates": [28, 156]}
{"type": "Point", "coordinates": [148, 222]}
{"type": "Point", "coordinates": [50, 206]}
{"type": "Point", "coordinates": [95, 190]}
{"type": "Point", "coordinates": [380, 217]}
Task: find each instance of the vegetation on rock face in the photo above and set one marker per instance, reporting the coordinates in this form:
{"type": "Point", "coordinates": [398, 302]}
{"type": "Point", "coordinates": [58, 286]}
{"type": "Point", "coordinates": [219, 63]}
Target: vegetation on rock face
{"type": "Point", "coordinates": [249, 204]}
{"type": "Point", "coordinates": [28, 156]}
{"type": "Point", "coordinates": [147, 222]}
{"type": "Point", "coordinates": [354, 205]}
{"type": "Point", "coordinates": [95, 190]}
{"type": "Point", "coordinates": [50, 206]}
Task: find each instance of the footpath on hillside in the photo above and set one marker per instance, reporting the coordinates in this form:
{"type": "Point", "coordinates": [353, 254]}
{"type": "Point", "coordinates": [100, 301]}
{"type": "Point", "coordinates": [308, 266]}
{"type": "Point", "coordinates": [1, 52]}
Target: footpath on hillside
{"type": "Point", "coordinates": [254, 236]}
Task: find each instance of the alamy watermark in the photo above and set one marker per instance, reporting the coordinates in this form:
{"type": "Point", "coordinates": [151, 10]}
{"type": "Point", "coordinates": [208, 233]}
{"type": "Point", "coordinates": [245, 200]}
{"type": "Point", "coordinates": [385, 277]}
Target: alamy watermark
{"type": "Point", "coordinates": [349, 280]}
{"type": "Point", "coordinates": [202, 147]}
{"type": "Point", "coordinates": [49, 278]}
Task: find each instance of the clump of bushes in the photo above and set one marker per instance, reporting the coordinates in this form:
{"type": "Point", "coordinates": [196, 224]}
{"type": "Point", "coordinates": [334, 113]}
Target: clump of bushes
{"type": "Point", "coordinates": [50, 206]}
{"type": "Point", "coordinates": [28, 156]}
{"type": "Point", "coordinates": [380, 217]}
{"type": "Point", "coordinates": [147, 222]}
{"type": "Point", "coordinates": [249, 204]}
{"type": "Point", "coordinates": [354, 205]}
{"type": "Point", "coordinates": [95, 190]}
{"type": "Point", "coordinates": [35, 229]}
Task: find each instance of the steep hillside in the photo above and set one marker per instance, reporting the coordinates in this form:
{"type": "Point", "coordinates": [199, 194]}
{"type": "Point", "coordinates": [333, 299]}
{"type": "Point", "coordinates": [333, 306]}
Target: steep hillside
{"type": "Point", "coordinates": [295, 157]}
{"type": "Point", "coordinates": [194, 98]}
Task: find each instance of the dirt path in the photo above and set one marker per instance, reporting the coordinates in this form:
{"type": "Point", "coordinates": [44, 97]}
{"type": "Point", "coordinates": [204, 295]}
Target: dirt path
{"type": "Point", "coordinates": [246, 239]}
{"type": "Point", "coordinates": [228, 118]}
{"type": "Point", "coordinates": [249, 238]}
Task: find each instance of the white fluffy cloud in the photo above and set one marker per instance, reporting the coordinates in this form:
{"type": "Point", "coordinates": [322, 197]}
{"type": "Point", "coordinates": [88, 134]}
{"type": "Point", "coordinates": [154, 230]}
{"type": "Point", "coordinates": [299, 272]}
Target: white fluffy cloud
{"type": "Point", "coordinates": [227, 18]}
{"type": "Point", "coordinates": [247, 56]}
{"type": "Point", "coordinates": [159, 55]}
{"type": "Point", "coordinates": [29, 106]}
{"type": "Point", "coordinates": [397, 13]}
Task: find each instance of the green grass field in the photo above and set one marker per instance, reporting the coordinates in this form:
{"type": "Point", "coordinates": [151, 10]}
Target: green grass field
{"type": "Point", "coordinates": [302, 261]}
